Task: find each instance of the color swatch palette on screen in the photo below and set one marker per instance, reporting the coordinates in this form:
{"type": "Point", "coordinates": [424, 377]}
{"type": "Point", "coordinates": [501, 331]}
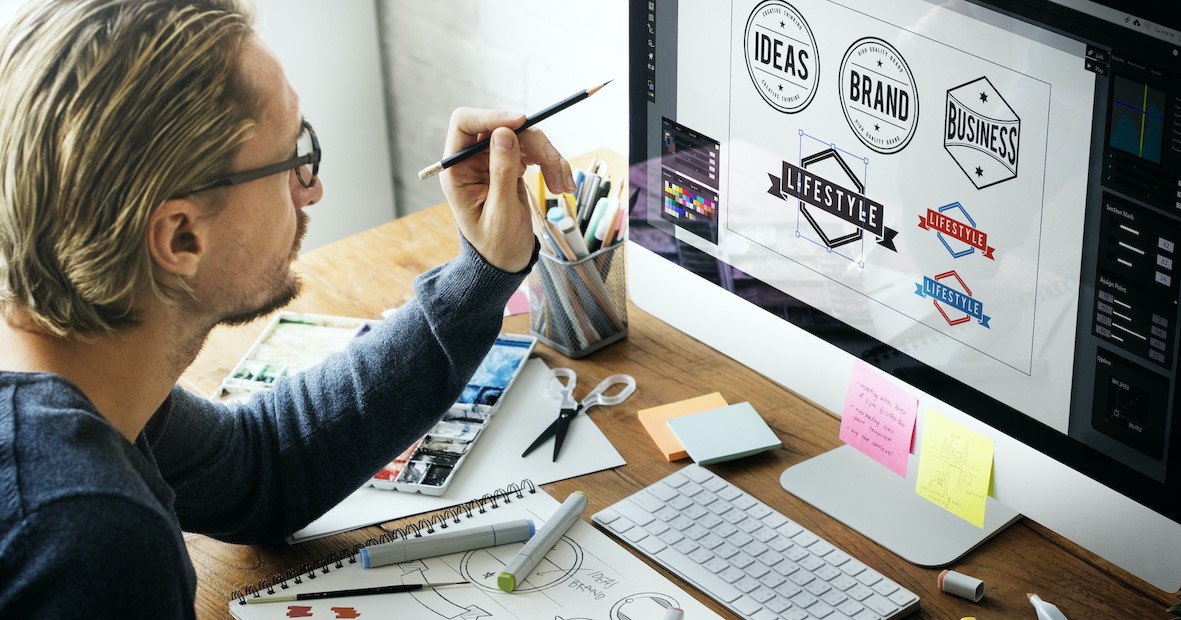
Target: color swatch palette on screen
{"type": "Point", "coordinates": [680, 202]}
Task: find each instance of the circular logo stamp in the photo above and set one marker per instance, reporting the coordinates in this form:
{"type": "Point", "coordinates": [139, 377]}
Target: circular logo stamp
{"type": "Point", "coordinates": [781, 56]}
{"type": "Point", "coordinates": [878, 95]}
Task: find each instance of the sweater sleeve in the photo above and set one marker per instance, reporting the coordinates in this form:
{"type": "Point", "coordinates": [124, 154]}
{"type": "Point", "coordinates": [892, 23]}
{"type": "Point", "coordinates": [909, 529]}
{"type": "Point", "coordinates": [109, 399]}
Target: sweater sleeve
{"type": "Point", "coordinates": [262, 470]}
{"type": "Point", "coordinates": [49, 573]}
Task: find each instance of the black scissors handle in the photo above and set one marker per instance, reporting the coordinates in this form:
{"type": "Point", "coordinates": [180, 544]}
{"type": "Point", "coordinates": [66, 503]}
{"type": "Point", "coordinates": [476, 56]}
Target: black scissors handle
{"type": "Point", "coordinates": [556, 429]}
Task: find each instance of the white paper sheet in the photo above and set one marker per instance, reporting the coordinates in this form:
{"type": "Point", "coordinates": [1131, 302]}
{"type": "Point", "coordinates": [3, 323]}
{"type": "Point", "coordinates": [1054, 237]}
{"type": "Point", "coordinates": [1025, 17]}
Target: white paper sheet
{"type": "Point", "coordinates": [494, 462]}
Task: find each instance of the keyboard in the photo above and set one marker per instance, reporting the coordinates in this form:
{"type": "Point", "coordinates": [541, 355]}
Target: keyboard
{"type": "Point", "coordinates": [747, 556]}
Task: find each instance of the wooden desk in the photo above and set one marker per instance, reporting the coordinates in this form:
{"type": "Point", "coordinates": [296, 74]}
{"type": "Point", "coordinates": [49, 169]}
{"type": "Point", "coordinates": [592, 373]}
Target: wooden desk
{"type": "Point", "coordinates": [372, 271]}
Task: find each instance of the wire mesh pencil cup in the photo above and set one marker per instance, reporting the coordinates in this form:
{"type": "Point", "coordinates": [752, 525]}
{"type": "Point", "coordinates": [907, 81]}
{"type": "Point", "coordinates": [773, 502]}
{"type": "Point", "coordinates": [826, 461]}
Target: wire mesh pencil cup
{"type": "Point", "coordinates": [578, 307]}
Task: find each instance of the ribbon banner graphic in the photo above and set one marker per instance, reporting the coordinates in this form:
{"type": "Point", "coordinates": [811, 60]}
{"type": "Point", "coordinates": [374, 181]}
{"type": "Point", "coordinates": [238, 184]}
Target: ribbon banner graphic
{"type": "Point", "coordinates": [962, 301]}
{"type": "Point", "coordinates": [940, 223]}
{"type": "Point", "coordinates": [831, 198]}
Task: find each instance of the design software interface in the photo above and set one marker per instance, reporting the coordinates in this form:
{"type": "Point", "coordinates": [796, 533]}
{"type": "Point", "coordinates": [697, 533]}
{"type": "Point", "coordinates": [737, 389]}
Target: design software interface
{"type": "Point", "coordinates": [992, 203]}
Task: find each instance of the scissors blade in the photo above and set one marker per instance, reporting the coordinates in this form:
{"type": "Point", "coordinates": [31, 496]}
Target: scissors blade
{"type": "Point", "coordinates": [563, 423]}
{"type": "Point", "coordinates": [546, 434]}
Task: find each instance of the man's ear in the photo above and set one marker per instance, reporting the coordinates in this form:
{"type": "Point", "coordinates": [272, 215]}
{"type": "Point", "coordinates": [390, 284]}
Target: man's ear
{"type": "Point", "coordinates": [178, 236]}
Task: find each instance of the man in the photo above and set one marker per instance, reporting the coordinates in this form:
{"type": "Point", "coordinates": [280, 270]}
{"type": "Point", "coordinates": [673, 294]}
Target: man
{"type": "Point", "coordinates": [154, 170]}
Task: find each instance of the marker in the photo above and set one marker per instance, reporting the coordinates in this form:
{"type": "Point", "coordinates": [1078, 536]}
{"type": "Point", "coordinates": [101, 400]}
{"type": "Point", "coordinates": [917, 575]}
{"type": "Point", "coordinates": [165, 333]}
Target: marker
{"type": "Point", "coordinates": [592, 223]}
{"type": "Point", "coordinates": [522, 566]}
{"type": "Point", "coordinates": [569, 231]}
{"type": "Point", "coordinates": [674, 613]}
{"type": "Point", "coordinates": [961, 585]}
{"type": "Point", "coordinates": [1045, 611]}
{"type": "Point", "coordinates": [530, 121]}
{"type": "Point", "coordinates": [405, 550]}
{"type": "Point", "coordinates": [308, 596]}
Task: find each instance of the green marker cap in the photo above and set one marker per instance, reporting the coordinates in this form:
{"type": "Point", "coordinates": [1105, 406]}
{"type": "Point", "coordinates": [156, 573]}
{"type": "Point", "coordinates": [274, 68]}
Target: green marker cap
{"type": "Point", "coordinates": [506, 582]}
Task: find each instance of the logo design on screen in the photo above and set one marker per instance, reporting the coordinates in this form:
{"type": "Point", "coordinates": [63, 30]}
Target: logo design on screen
{"type": "Point", "coordinates": [957, 231]}
{"type": "Point", "coordinates": [781, 56]}
{"type": "Point", "coordinates": [982, 133]}
{"type": "Point", "coordinates": [879, 96]}
{"type": "Point", "coordinates": [837, 214]}
{"type": "Point", "coordinates": [950, 289]}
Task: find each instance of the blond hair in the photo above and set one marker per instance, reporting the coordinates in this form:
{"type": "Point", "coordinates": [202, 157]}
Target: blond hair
{"type": "Point", "coordinates": [107, 109]}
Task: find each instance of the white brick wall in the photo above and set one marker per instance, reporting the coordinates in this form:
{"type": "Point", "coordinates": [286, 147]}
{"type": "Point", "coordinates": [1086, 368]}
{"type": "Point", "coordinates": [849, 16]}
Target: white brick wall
{"type": "Point", "coordinates": [520, 55]}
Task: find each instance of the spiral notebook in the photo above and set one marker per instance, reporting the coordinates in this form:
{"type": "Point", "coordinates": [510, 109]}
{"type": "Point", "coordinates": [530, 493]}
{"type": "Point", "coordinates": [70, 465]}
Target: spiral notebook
{"type": "Point", "coordinates": [585, 575]}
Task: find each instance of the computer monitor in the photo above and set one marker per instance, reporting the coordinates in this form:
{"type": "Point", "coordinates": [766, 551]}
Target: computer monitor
{"type": "Point", "coordinates": [981, 201]}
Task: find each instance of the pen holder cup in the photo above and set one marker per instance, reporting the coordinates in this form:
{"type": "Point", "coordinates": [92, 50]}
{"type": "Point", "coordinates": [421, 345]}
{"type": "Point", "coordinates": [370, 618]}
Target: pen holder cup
{"type": "Point", "coordinates": [578, 307]}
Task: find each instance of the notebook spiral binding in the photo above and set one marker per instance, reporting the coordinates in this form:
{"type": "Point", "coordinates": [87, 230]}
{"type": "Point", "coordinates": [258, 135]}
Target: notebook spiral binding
{"type": "Point", "coordinates": [439, 520]}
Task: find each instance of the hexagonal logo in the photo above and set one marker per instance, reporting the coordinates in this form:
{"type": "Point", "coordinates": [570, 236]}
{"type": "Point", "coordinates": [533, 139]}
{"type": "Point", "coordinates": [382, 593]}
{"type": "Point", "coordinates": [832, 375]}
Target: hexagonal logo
{"type": "Point", "coordinates": [878, 95]}
{"type": "Point", "coordinates": [831, 198]}
{"type": "Point", "coordinates": [982, 133]}
{"type": "Point", "coordinates": [957, 231]}
{"type": "Point", "coordinates": [781, 56]}
{"type": "Point", "coordinates": [950, 289]}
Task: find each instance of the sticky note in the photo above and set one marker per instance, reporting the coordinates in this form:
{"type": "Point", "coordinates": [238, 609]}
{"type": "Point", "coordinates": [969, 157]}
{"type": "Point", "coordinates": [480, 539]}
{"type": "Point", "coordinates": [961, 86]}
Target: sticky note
{"type": "Point", "coordinates": [724, 434]}
{"type": "Point", "coordinates": [518, 303]}
{"type": "Point", "coordinates": [879, 418]}
{"type": "Point", "coordinates": [655, 421]}
{"type": "Point", "coordinates": [955, 467]}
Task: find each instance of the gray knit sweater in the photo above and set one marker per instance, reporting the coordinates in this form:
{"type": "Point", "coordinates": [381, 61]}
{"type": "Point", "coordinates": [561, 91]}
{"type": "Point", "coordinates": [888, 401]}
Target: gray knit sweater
{"type": "Point", "coordinates": [90, 525]}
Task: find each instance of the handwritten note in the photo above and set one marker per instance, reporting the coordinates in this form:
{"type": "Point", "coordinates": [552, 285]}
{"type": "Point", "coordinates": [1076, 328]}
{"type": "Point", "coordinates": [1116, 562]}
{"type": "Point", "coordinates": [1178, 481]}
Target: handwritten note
{"type": "Point", "coordinates": [879, 418]}
{"type": "Point", "coordinates": [955, 467]}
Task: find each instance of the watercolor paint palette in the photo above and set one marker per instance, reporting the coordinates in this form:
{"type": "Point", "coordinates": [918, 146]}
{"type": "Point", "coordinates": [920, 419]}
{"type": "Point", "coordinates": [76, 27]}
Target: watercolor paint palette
{"type": "Point", "coordinates": [294, 342]}
{"type": "Point", "coordinates": [291, 343]}
{"type": "Point", "coordinates": [429, 465]}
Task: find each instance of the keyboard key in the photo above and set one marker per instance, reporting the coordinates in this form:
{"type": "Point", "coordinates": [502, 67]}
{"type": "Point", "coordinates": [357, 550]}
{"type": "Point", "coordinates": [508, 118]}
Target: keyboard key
{"type": "Point", "coordinates": [648, 501]}
{"type": "Point", "coordinates": [607, 516]}
{"type": "Point", "coordinates": [714, 484]}
{"type": "Point", "coordinates": [880, 604]}
{"type": "Point", "coordinates": [762, 594]}
{"type": "Point", "coordinates": [698, 474]}
{"type": "Point", "coordinates": [746, 605]}
{"type": "Point", "coordinates": [663, 492]}
{"type": "Point", "coordinates": [636, 513]}
{"type": "Point", "coordinates": [651, 545]}
{"type": "Point", "coordinates": [903, 598]}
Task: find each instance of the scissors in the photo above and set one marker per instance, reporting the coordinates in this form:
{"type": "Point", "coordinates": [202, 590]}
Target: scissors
{"type": "Point", "coordinates": [570, 408]}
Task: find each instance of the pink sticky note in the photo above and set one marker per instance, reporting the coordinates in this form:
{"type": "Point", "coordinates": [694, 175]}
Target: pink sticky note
{"type": "Point", "coordinates": [879, 418]}
{"type": "Point", "coordinates": [518, 303]}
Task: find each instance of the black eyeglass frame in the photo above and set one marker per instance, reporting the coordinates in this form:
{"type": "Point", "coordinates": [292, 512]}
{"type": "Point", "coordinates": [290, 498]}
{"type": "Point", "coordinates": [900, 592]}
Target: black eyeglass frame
{"type": "Point", "coordinates": [295, 163]}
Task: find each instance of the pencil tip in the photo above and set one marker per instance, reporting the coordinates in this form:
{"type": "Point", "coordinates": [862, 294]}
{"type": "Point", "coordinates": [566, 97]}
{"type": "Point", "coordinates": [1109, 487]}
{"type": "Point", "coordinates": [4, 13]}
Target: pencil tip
{"type": "Point", "coordinates": [595, 89]}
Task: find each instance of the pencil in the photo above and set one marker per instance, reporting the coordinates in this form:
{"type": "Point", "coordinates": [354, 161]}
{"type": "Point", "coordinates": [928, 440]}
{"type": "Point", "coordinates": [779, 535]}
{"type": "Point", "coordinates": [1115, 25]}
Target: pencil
{"type": "Point", "coordinates": [530, 121]}
{"type": "Point", "coordinates": [306, 596]}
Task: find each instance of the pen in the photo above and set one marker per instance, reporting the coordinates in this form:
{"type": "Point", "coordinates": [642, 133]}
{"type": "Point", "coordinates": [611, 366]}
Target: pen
{"type": "Point", "coordinates": [674, 613]}
{"type": "Point", "coordinates": [1045, 611]}
{"type": "Point", "coordinates": [307, 596]}
{"type": "Point", "coordinates": [522, 566]}
{"type": "Point", "coordinates": [398, 551]}
{"type": "Point", "coordinates": [530, 121]}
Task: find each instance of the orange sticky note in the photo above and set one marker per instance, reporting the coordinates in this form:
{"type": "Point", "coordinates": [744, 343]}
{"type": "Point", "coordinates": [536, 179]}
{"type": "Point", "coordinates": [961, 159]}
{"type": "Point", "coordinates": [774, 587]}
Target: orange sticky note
{"type": "Point", "coordinates": [655, 421]}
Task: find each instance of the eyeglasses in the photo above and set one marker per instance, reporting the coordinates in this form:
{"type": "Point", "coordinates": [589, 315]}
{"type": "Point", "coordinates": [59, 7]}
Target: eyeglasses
{"type": "Point", "coordinates": [305, 162]}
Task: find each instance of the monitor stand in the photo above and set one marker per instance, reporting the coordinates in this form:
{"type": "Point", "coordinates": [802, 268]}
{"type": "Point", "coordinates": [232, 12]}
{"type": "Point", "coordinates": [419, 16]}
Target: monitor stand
{"type": "Point", "coordinates": [857, 491]}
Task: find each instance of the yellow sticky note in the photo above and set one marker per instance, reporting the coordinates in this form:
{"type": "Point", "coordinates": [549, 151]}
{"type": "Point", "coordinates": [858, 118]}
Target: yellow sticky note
{"type": "Point", "coordinates": [955, 467]}
{"type": "Point", "coordinates": [655, 421]}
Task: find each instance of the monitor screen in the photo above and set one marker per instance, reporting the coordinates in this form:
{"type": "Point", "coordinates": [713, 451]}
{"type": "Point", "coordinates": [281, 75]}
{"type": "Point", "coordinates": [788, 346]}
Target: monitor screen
{"type": "Point", "coordinates": [982, 199]}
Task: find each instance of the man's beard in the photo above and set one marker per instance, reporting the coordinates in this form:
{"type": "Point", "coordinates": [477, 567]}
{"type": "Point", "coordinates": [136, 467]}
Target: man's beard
{"type": "Point", "coordinates": [290, 289]}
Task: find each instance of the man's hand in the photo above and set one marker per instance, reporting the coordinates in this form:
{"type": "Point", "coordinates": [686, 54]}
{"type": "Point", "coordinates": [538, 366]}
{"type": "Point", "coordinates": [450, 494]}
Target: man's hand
{"type": "Point", "coordinates": [487, 192]}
